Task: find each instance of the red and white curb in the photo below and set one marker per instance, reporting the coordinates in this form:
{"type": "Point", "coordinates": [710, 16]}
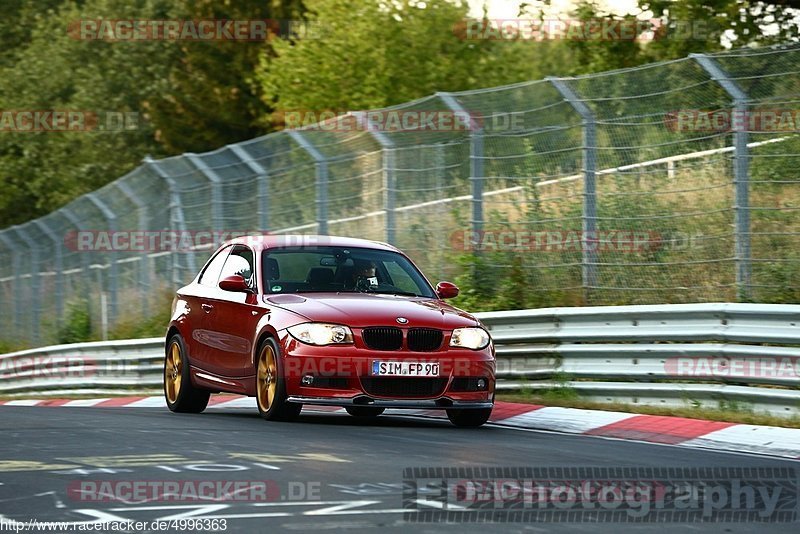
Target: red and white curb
{"type": "Point", "coordinates": [680, 431]}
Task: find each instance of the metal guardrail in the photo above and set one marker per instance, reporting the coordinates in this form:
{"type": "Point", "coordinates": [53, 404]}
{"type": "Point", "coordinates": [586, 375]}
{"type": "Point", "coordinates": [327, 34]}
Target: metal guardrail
{"type": "Point", "coordinates": [711, 355]}
{"type": "Point", "coordinates": [94, 368]}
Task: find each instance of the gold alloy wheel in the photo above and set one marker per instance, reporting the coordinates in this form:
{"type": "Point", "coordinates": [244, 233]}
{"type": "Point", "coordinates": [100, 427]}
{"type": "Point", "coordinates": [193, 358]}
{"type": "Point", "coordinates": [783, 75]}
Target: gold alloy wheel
{"type": "Point", "coordinates": [267, 383]}
{"type": "Point", "coordinates": [173, 372]}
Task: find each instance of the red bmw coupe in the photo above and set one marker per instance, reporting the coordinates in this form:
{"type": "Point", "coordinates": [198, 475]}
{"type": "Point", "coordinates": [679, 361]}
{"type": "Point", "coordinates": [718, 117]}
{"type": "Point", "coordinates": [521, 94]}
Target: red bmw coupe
{"type": "Point", "coordinates": [321, 320]}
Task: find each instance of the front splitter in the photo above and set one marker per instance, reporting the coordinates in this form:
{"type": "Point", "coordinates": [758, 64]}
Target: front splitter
{"type": "Point", "coordinates": [442, 403]}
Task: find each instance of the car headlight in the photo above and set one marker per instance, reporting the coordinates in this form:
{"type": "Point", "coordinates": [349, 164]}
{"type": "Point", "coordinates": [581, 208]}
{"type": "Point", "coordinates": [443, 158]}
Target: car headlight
{"type": "Point", "coordinates": [469, 338]}
{"type": "Point", "coordinates": [321, 333]}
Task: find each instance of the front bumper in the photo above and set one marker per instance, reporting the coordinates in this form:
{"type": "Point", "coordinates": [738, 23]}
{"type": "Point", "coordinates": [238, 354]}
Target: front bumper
{"type": "Point", "coordinates": [349, 367]}
{"type": "Point", "coordinates": [442, 403]}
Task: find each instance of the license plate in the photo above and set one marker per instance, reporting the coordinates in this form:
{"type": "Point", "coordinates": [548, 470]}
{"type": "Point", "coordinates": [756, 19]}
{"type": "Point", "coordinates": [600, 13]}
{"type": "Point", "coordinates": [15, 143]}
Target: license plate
{"type": "Point", "coordinates": [383, 368]}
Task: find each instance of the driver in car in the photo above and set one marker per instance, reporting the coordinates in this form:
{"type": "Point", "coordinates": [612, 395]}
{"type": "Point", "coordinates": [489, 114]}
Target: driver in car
{"type": "Point", "coordinates": [364, 275]}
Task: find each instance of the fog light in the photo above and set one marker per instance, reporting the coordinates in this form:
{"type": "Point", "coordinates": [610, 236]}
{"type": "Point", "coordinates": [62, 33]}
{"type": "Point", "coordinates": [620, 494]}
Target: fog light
{"type": "Point", "coordinates": [481, 384]}
{"type": "Point", "coordinates": [307, 380]}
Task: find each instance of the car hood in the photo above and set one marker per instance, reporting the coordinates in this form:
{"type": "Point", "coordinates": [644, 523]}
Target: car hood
{"type": "Point", "coordinates": [362, 309]}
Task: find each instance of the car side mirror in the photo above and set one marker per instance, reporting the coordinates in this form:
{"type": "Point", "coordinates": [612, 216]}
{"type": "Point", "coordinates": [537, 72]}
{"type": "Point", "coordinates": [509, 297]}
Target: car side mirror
{"type": "Point", "coordinates": [446, 290]}
{"type": "Point", "coordinates": [235, 283]}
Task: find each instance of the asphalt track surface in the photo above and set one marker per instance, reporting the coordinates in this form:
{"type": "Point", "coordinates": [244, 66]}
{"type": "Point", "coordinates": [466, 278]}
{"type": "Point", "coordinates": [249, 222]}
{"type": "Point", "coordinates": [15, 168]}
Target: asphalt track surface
{"type": "Point", "coordinates": [350, 469]}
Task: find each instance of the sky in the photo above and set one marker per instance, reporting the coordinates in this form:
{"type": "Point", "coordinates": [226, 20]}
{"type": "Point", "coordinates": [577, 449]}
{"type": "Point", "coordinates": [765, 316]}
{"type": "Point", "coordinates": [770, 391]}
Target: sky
{"type": "Point", "coordinates": [508, 9]}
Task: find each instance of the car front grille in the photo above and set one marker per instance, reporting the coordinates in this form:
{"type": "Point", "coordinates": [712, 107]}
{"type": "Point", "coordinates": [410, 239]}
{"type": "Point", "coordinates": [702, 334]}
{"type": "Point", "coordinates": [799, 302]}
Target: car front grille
{"type": "Point", "coordinates": [403, 386]}
{"type": "Point", "coordinates": [383, 337]}
{"type": "Point", "coordinates": [424, 339]}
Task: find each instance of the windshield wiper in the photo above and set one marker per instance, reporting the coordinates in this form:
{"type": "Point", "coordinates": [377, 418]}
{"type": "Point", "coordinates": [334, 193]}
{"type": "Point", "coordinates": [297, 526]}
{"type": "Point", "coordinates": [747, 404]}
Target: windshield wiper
{"type": "Point", "coordinates": [395, 292]}
{"type": "Point", "coordinates": [382, 292]}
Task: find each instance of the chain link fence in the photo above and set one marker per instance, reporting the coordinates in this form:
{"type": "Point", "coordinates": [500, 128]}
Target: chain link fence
{"type": "Point", "coordinates": [624, 187]}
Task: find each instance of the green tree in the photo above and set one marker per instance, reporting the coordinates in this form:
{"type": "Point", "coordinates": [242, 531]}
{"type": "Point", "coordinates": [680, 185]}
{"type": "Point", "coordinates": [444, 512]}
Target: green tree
{"type": "Point", "coordinates": [190, 96]}
{"type": "Point", "coordinates": [381, 53]}
{"type": "Point", "coordinates": [23, 16]}
{"type": "Point", "coordinates": [701, 25]}
{"type": "Point", "coordinates": [210, 98]}
{"type": "Point", "coordinates": [41, 171]}
{"type": "Point", "coordinates": [601, 54]}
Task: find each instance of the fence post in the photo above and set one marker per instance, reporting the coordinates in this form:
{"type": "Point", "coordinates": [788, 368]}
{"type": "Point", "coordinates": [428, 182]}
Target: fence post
{"type": "Point", "coordinates": [176, 219]}
{"type": "Point", "coordinates": [36, 296]}
{"type": "Point", "coordinates": [388, 164]}
{"type": "Point", "coordinates": [476, 167]}
{"type": "Point", "coordinates": [141, 214]}
{"type": "Point", "coordinates": [741, 172]}
{"type": "Point", "coordinates": [263, 184]}
{"type": "Point", "coordinates": [113, 272]}
{"type": "Point", "coordinates": [589, 225]}
{"type": "Point", "coordinates": [322, 179]}
{"type": "Point", "coordinates": [216, 189]}
{"type": "Point", "coordinates": [76, 222]}
{"type": "Point", "coordinates": [15, 268]}
{"type": "Point", "coordinates": [58, 289]}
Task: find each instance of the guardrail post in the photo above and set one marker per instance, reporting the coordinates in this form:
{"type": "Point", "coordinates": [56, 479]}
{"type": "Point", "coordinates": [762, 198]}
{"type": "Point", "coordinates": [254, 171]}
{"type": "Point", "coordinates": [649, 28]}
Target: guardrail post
{"type": "Point", "coordinates": [741, 172]}
{"type": "Point", "coordinates": [322, 179]}
{"type": "Point", "coordinates": [58, 288]}
{"type": "Point", "coordinates": [141, 214]}
{"type": "Point", "coordinates": [589, 224]}
{"type": "Point", "coordinates": [15, 268]}
{"type": "Point", "coordinates": [113, 272]}
{"type": "Point", "coordinates": [216, 189]}
{"type": "Point", "coordinates": [388, 168]}
{"type": "Point", "coordinates": [263, 184]}
{"type": "Point", "coordinates": [176, 219]}
{"type": "Point", "coordinates": [476, 167]}
{"type": "Point", "coordinates": [36, 297]}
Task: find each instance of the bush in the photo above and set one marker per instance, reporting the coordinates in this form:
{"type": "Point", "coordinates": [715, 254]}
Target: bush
{"type": "Point", "coordinates": [77, 325]}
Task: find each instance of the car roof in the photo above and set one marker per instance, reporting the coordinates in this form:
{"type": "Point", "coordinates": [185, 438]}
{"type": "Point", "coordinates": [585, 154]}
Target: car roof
{"type": "Point", "coordinates": [268, 241]}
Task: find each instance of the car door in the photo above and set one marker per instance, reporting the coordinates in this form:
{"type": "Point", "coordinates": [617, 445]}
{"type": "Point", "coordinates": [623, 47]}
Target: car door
{"type": "Point", "coordinates": [231, 322]}
{"type": "Point", "coordinates": [196, 297]}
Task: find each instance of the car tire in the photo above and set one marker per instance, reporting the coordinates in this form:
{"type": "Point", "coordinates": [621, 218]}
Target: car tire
{"type": "Point", "coordinates": [364, 411]}
{"type": "Point", "coordinates": [271, 385]}
{"type": "Point", "coordinates": [180, 394]}
{"type": "Point", "coordinates": [469, 418]}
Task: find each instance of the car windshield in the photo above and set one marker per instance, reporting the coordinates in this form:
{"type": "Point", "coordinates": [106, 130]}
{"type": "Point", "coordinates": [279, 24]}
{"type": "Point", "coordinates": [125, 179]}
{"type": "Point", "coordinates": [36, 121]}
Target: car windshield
{"type": "Point", "coordinates": [341, 269]}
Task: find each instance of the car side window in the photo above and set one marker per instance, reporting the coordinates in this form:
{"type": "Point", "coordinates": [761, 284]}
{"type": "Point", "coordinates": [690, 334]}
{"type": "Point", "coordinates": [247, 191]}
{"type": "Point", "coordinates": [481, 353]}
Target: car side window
{"type": "Point", "coordinates": [210, 274]}
{"type": "Point", "coordinates": [240, 261]}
